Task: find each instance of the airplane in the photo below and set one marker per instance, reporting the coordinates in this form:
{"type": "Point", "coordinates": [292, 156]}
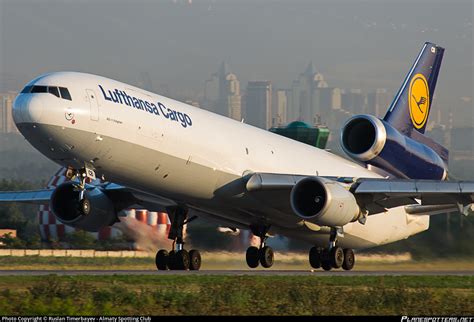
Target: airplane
{"type": "Point", "coordinates": [164, 155]}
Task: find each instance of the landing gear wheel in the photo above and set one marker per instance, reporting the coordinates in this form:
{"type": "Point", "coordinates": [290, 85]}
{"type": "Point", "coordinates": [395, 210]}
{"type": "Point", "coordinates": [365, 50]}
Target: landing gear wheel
{"type": "Point", "coordinates": [252, 256]}
{"type": "Point", "coordinates": [326, 262]}
{"type": "Point", "coordinates": [194, 260]}
{"type": "Point", "coordinates": [349, 259]}
{"type": "Point", "coordinates": [266, 256]}
{"type": "Point", "coordinates": [85, 206]}
{"type": "Point", "coordinates": [171, 260]}
{"type": "Point", "coordinates": [181, 260]}
{"type": "Point", "coordinates": [161, 260]}
{"type": "Point", "coordinates": [337, 256]}
{"type": "Point", "coordinates": [315, 257]}
{"type": "Point", "coordinates": [326, 265]}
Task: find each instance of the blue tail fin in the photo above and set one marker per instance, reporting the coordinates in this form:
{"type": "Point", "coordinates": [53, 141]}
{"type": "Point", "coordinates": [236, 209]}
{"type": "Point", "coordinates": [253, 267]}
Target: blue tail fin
{"type": "Point", "coordinates": [411, 106]}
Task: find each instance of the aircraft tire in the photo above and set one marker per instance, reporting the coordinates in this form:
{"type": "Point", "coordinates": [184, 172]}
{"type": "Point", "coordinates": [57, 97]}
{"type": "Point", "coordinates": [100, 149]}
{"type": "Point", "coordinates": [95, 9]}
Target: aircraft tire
{"type": "Point", "coordinates": [336, 257]}
{"type": "Point", "coordinates": [315, 257]}
{"type": "Point", "coordinates": [171, 260]}
{"type": "Point", "coordinates": [194, 260]}
{"type": "Point", "coordinates": [181, 260]}
{"type": "Point", "coordinates": [266, 256]}
{"type": "Point", "coordinates": [326, 265]}
{"type": "Point", "coordinates": [349, 259]}
{"type": "Point", "coordinates": [252, 256]}
{"type": "Point", "coordinates": [85, 206]}
{"type": "Point", "coordinates": [161, 260]}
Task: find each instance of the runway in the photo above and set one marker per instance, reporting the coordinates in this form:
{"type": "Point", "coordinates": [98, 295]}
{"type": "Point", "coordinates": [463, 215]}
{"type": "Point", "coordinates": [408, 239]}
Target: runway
{"type": "Point", "coordinates": [235, 273]}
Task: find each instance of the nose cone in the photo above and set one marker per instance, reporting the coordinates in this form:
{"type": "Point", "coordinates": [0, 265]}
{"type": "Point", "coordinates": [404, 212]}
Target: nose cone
{"type": "Point", "coordinates": [28, 109]}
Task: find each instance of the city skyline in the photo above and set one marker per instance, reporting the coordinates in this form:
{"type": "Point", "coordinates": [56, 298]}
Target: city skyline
{"type": "Point", "coordinates": [361, 49]}
{"type": "Point", "coordinates": [318, 101]}
{"type": "Point", "coordinates": [362, 45]}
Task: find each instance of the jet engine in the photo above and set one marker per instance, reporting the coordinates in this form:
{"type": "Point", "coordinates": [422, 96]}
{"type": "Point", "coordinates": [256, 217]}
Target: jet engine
{"type": "Point", "coordinates": [324, 202]}
{"type": "Point", "coordinates": [91, 213]}
{"type": "Point", "coordinates": [375, 142]}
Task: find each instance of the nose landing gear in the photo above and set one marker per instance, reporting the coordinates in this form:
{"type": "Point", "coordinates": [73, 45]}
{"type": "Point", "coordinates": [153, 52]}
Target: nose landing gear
{"type": "Point", "coordinates": [83, 175]}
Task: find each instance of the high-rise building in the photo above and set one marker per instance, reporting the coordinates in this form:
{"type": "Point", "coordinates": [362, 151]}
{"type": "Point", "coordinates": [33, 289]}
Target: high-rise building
{"type": "Point", "coordinates": [234, 100]}
{"type": "Point", "coordinates": [7, 125]}
{"type": "Point", "coordinates": [280, 107]}
{"type": "Point", "coordinates": [378, 102]}
{"type": "Point", "coordinates": [353, 101]}
{"type": "Point", "coordinates": [259, 104]}
{"type": "Point", "coordinates": [222, 103]}
{"type": "Point", "coordinates": [303, 102]}
{"type": "Point", "coordinates": [211, 93]}
{"type": "Point", "coordinates": [326, 100]}
{"type": "Point", "coordinates": [222, 93]}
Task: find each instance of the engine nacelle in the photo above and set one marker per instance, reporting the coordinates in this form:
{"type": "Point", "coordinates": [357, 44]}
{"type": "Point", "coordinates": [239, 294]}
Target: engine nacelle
{"type": "Point", "coordinates": [92, 213]}
{"type": "Point", "coordinates": [324, 202]}
{"type": "Point", "coordinates": [375, 142]}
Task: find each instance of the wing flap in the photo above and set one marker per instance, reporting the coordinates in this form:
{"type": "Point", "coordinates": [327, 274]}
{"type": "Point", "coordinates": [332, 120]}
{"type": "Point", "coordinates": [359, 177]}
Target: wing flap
{"type": "Point", "coordinates": [430, 192]}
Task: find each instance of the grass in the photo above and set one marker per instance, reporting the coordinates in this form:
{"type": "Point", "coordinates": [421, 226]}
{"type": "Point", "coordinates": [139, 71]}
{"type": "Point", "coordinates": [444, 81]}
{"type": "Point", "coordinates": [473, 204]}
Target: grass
{"type": "Point", "coordinates": [236, 295]}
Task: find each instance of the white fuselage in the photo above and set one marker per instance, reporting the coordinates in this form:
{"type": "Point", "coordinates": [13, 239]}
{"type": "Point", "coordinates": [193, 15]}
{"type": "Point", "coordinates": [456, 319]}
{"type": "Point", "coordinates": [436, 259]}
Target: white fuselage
{"type": "Point", "coordinates": [165, 147]}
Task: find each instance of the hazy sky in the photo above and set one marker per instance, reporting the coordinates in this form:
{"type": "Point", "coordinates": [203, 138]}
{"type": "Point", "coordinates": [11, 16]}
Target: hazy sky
{"type": "Point", "coordinates": [354, 43]}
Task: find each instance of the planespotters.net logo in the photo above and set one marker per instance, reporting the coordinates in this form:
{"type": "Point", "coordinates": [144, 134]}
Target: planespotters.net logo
{"type": "Point", "coordinates": [437, 319]}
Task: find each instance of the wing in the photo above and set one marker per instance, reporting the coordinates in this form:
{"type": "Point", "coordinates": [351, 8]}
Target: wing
{"type": "Point", "coordinates": [31, 196]}
{"type": "Point", "coordinates": [432, 194]}
{"type": "Point", "coordinates": [374, 195]}
{"type": "Point", "coordinates": [124, 195]}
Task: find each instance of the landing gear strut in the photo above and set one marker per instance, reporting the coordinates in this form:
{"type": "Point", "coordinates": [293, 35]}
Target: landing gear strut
{"type": "Point", "coordinates": [333, 256]}
{"type": "Point", "coordinates": [83, 174]}
{"type": "Point", "coordinates": [178, 258]}
{"type": "Point", "coordinates": [263, 254]}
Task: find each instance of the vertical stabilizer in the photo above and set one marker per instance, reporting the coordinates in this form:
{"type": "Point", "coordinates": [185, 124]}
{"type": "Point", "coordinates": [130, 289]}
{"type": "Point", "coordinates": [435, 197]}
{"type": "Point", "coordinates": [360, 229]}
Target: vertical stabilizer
{"type": "Point", "coordinates": [411, 106]}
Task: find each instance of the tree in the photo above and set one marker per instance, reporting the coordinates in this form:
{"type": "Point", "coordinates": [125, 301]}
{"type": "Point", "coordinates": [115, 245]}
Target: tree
{"type": "Point", "coordinates": [80, 239]}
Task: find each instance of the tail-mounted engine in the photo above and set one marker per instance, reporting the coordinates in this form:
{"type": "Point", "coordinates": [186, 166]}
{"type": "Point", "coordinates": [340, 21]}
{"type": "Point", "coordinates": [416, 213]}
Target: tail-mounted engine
{"type": "Point", "coordinates": [375, 142]}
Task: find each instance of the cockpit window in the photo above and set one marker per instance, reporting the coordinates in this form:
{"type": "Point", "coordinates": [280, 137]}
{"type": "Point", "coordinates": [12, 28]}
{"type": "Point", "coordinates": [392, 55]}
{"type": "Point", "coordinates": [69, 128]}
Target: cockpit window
{"type": "Point", "coordinates": [61, 92]}
{"type": "Point", "coordinates": [27, 89]}
{"type": "Point", "coordinates": [39, 89]}
{"type": "Point", "coordinates": [65, 93]}
{"type": "Point", "coordinates": [53, 90]}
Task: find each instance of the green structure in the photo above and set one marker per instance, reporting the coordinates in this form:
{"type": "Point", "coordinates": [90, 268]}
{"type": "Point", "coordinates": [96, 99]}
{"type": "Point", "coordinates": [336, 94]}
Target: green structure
{"type": "Point", "coordinates": [300, 131]}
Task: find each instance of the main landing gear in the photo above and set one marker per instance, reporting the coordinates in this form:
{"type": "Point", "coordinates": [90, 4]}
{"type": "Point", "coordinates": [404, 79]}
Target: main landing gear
{"type": "Point", "coordinates": [263, 254]}
{"type": "Point", "coordinates": [333, 256]}
{"type": "Point", "coordinates": [178, 258]}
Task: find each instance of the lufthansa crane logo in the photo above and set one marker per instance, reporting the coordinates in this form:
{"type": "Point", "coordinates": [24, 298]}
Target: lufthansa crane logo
{"type": "Point", "coordinates": [419, 100]}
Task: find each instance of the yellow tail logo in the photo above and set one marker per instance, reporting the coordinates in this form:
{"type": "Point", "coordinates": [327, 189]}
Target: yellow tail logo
{"type": "Point", "coordinates": [419, 100]}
